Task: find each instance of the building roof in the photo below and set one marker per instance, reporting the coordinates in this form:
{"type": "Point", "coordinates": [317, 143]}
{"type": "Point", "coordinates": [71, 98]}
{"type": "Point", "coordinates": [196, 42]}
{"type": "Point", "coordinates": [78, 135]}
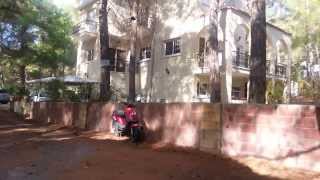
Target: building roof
{"type": "Point", "coordinates": [248, 15]}
{"type": "Point", "coordinates": [70, 79]}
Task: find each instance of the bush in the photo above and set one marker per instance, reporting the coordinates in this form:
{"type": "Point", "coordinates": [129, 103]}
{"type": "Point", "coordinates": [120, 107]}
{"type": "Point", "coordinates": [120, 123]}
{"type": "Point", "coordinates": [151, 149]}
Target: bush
{"type": "Point", "coordinates": [275, 93]}
{"type": "Point", "coordinates": [55, 89]}
{"type": "Point", "coordinates": [71, 95]}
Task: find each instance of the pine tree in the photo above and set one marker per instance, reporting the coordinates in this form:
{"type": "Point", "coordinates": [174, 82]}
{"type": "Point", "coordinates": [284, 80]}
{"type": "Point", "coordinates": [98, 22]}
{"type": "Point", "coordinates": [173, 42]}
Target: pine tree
{"type": "Point", "coordinates": [213, 55]}
{"type": "Point", "coordinates": [258, 52]}
{"type": "Point", "coordinates": [104, 49]}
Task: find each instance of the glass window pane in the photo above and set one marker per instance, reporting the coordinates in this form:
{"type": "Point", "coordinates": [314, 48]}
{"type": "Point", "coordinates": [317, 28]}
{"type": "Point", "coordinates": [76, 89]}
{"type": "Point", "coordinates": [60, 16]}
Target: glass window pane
{"type": "Point", "coordinates": [169, 47]}
{"type": "Point", "coordinates": [176, 46]}
{"type": "Point", "coordinates": [90, 54]}
{"type": "Point", "coordinates": [148, 52]}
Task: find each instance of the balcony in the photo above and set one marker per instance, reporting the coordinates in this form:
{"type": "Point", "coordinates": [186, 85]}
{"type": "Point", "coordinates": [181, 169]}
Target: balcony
{"type": "Point", "coordinates": [85, 30]}
{"type": "Point", "coordinates": [84, 3]}
{"type": "Point", "coordinates": [241, 60]}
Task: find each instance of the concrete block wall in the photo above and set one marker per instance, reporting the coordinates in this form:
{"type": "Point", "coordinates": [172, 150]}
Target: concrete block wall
{"type": "Point", "coordinates": [99, 116]}
{"type": "Point", "coordinates": [182, 124]}
{"type": "Point", "coordinates": [288, 134]}
{"type": "Point", "coordinates": [56, 112]}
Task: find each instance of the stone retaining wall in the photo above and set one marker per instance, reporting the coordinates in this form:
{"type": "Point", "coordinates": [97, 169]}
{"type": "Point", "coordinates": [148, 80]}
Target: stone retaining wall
{"type": "Point", "coordinates": [288, 134]}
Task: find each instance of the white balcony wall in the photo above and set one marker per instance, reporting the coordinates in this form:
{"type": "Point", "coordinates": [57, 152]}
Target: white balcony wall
{"type": "Point", "coordinates": [84, 3]}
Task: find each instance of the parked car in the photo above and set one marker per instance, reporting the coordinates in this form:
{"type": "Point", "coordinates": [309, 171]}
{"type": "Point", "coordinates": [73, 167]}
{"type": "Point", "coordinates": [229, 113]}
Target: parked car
{"type": "Point", "coordinates": [40, 96]}
{"type": "Point", "coordinates": [4, 96]}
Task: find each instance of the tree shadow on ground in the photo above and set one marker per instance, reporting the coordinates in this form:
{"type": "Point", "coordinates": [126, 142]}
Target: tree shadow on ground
{"type": "Point", "coordinates": [68, 154]}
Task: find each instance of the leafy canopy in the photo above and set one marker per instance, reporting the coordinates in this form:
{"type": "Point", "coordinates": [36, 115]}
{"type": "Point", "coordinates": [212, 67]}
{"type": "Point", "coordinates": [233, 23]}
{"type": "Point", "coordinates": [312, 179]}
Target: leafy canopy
{"type": "Point", "coordinates": [34, 36]}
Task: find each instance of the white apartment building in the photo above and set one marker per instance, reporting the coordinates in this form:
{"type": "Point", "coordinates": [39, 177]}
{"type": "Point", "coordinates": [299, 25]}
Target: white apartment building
{"type": "Point", "coordinates": [172, 40]}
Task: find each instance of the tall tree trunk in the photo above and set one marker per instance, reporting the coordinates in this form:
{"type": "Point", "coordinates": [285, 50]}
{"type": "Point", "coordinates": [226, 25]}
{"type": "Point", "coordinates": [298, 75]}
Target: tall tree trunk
{"type": "Point", "coordinates": [213, 55]}
{"type": "Point", "coordinates": [104, 49]}
{"type": "Point", "coordinates": [2, 79]}
{"type": "Point", "coordinates": [258, 52]}
{"type": "Point", "coordinates": [133, 50]}
{"type": "Point", "coordinates": [22, 79]}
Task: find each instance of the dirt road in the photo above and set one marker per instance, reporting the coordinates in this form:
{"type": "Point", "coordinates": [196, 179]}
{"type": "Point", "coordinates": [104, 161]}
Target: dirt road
{"type": "Point", "coordinates": [34, 152]}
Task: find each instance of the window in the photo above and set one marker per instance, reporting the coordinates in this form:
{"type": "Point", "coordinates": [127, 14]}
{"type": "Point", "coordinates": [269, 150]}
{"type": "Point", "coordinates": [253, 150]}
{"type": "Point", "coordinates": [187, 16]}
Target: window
{"type": "Point", "coordinates": [202, 89]}
{"type": "Point", "coordinates": [120, 60]}
{"type": "Point", "coordinates": [90, 55]}
{"type": "Point", "coordinates": [172, 47]}
{"type": "Point", "coordinates": [246, 90]}
{"type": "Point", "coordinates": [117, 59]}
{"type": "Point", "coordinates": [236, 93]}
{"type": "Point", "coordinates": [202, 45]}
{"type": "Point", "coordinates": [145, 53]}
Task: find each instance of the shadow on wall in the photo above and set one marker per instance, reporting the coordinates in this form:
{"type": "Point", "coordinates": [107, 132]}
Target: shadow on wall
{"type": "Point", "coordinates": [168, 124]}
{"type": "Point", "coordinates": [99, 116]}
{"type": "Point", "coordinates": [71, 150]}
{"type": "Point", "coordinates": [54, 112]}
{"type": "Point", "coordinates": [288, 134]}
{"type": "Point", "coordinates": [285, 133]}
{"type": "Point", "coordinates": [177, 124]}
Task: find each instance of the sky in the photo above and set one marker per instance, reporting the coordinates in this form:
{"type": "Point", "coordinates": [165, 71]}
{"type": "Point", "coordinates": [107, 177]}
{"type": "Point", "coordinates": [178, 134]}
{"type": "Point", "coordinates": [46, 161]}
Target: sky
{"type": "Point", "coordinates": [63, 3]}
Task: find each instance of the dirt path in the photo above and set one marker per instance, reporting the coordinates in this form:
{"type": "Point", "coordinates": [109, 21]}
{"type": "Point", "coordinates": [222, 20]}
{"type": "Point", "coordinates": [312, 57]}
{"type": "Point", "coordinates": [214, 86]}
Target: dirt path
{"type": "Point", "coordinates": [34, 152]}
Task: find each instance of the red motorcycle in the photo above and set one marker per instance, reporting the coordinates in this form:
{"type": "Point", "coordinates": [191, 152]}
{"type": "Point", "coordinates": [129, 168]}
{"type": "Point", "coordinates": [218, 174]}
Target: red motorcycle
{"type": "Point", "coordinates": [125, 122]}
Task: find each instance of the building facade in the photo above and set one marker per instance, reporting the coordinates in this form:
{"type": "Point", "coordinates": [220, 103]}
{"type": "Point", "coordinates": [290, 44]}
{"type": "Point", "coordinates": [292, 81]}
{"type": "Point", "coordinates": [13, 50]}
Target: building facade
{"type": "Point", "coordinates": [172, 42]}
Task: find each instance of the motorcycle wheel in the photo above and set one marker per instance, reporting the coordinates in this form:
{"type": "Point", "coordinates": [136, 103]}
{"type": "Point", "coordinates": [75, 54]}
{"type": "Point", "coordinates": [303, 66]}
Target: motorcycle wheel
{"type": "Point", "coordinates": [115, 128]}
{"type": "Point", "coordinates": [135, 135]}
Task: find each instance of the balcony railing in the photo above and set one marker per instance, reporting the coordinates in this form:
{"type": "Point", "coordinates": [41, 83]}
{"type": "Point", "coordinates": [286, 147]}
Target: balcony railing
{"type": "Point", "coordinates": [241, 59]}
{"type": "Point", "coordinates": [203, 63]}
{"type": "Point", "coordinates": [87, 26]}
{"type": "Point", "coordinates": [281, 70]}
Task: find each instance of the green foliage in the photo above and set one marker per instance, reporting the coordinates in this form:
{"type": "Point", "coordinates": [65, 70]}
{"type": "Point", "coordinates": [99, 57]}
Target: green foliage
{"type": "Point", "coordinates": [302, 22]}
{"type": "Point", "coordinates": [310, 89]}
{"type": "Point", "coordinates": [55, 89]}
{"type": "Point", "coordinates": [71, 95]}
{"type": "Point", "coordinates": [275, 93]}
{"type": "Point", "coordinates": [34, 33]}
{"type": "Point", "coordinates": [295, 72]}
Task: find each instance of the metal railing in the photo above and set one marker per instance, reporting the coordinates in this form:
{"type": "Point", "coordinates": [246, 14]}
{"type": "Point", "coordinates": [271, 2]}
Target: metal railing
{"type": "Point", "coordinates": [268, 67]}
{"type": "Point", "coordinates": [203, 63]}
{"type": "Point", "coordinates": [241, 59]}
{"type": "Point", "coordinates": [280, 70]}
